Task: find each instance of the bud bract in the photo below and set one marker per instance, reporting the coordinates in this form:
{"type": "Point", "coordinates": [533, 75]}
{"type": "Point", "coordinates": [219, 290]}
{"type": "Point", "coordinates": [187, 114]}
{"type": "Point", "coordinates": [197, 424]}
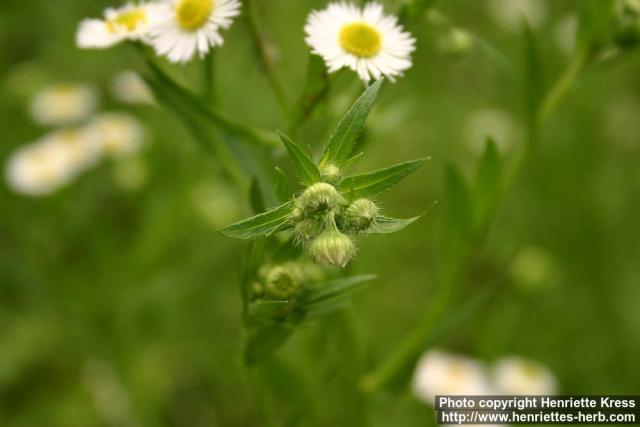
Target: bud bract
{"type": "Point", "coordinates": [331, 174]}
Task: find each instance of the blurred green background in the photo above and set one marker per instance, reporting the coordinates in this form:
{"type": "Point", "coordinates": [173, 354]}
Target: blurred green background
{"type": "Point", "coordinates": [120, 306]}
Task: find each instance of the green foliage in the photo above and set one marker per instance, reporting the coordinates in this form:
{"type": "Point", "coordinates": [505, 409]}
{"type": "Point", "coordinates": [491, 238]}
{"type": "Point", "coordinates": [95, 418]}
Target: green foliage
{"type": "Point", "coordinates": [344, 138]}
{"type": "Point", "coordinates": [307, 170]}
{"type": "Point", "coordinates": [263, 224]}
{"type": "Point", "coordinates": [372, 183]}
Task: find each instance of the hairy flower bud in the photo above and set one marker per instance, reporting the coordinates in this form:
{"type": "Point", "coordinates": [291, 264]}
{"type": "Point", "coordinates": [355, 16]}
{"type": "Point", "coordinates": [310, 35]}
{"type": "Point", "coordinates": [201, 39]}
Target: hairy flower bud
{"type": "Point", "coordinates": [331, 174]}
{"type": "Point", "coordinates": [281, 282]}
{"type": "Point", "coordinates": [360, 215]}
{"type": "Point", "coordinates": [332, 248]}
{"type": "Point", "coordinates": [318, 198]}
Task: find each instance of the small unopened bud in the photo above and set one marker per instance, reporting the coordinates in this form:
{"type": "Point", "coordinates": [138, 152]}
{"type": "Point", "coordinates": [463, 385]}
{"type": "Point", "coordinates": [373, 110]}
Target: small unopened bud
{"type": "Point", "coordinates": [360, 215]}
{"type": "Point", "coordinates": [332, 248]}
{"type": "Point", "coordinates": [282, 282]}
{"type": "Point", "coordinates": [256, 289]}
{"type": "Point", "coordinates": [331, 174]}
{"type": "Point", "coordinates": [319, 197]}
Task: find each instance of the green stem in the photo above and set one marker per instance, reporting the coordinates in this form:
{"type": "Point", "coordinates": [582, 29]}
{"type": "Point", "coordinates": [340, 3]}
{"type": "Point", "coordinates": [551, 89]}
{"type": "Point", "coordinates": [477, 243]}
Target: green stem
{"type": "Point", "coordinates": [557, 92]}
{"type": "Point", "coordinates": [403, 360]}
{"type": "Point", "coordinates": [265, 51]}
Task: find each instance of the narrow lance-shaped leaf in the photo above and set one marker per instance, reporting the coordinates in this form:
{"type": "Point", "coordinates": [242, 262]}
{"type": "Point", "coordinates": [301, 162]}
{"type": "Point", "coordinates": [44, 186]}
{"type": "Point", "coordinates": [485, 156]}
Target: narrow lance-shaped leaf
{"type": "Point", "coordinates": [260, 225]}
{"type": "Point", "coordinates": [282, 188]}
{"type": "Point", "coordinates": [264, 311]}
{"type": "Point", "coordinates": [344, 138]}
{"type": "Point", "coordinates": [371, 183]}
{"type": "Point", "coordinates": [306, 168]}
{"type": "Point", "coordinates": [336, 289]}
{"type": "Point", "coordinates": [386, 225]}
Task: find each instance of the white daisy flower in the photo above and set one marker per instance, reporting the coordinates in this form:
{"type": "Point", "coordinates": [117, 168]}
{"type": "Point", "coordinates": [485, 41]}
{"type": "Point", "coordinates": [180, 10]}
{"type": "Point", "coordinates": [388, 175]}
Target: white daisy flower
{"type": "Point", "coordinates": [440, 373]}
{"type": "Point", "coordinates": [63, 104]}
{"type": "Point", "coordinates": [517, 376]}
{"type": "Point", "coordinates": [39, 169]}
{"type": "Point", "coordinates": [119, 134]}
{"type": "Point", "coordinates": [80, 145]}
{"type": "Point", "coordinates": [188, 27]}
{"type": "Point", "coordinates": [366, 40]}
{"type": "Point", "coordinates": [129, 22]}
{"type": "Point", "coordinates": [129, 88]}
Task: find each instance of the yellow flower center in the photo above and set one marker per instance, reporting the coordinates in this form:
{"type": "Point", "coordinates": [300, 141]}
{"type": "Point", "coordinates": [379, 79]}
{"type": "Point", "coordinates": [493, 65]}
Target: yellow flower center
{"type": "Point", "coordinates": [193, 14]}
{"type": "Point", "coordinates": [360, 39]}
{"type": "Point", "coordinates": [129, 19]}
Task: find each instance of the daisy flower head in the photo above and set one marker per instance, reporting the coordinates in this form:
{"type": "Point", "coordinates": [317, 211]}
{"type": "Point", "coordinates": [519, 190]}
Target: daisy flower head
{"type": "Point", "coordinates": [364, 39]}
{"type": "Point", "coordinates": [515, 375]}
{"type": "Point", "coordinates": [129, 22]}
{"type": "Point", "coordinates": [188, 27]}
{"type": "Point", "coordinates": [119, 134]}
{"type": "Point", "coordinates": [62, 104]}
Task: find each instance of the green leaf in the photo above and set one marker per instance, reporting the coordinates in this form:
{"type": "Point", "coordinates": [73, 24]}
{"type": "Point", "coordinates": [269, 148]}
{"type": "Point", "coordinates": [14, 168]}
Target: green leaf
{"type": "Point", "coordinates": [255, 197]}
{"type": "Point", "coordinates": [386, 225]}
{"type": "Point", "coordinates": [260, 225]}
{"type": "Point", "coordinates": [264, 341]}
{"type": "Point", "coordinates": [368, 184]}
{"type": "Point", "coordinates": [344, 138]}
{"type": "Point", "coordinates": [414, 10]}
{"type": "Point", "coordinates": [336, 289]}
{"type": "Point", "coordinates": [307, 169]}
{"type": "Point", "coordinates": [264, 311]}
{"type": "Point", "coordinates": [488, 184]}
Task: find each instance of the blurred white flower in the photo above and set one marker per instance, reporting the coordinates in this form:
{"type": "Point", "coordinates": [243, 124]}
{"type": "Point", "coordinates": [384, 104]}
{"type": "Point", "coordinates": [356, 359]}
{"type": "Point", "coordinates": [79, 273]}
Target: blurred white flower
{"type": "Point", "coordinates": [440, 373]}
{"type": "Point", "coordinates": [39, 169]}
{"type": "Point", "coordinates": [119, 134]}
{"type": "Point", "coordinates": [129, 88]}
{"type": "Point", "coordinates": [365, 40]}
{"type": "Point", "coordinates": [80, 144]}
{"type": "Point", "coordinates": [63, 104]}
{"type": "Point", "coordinates": [129, 22]}
{"type": "Point", "coordinates": [515, 375]}
{"type": "Point", "coordinates": [185, 28]}
{"type": "Point", "coordinates": [566, 32]}
{"type": "Point", "coordinates": [497, 124]}
{"type": "Point", "coordinates": [511, 14]}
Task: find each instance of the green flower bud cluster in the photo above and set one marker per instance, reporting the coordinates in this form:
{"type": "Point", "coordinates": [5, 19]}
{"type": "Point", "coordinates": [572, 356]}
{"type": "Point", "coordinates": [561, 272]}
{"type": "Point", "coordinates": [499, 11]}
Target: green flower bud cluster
{"type": "Point", "coordinates": [627, 23]}
{"type": "Point", "coordinates": [324, 219]}
{"type": "Point", "coordinates": [277, 282]}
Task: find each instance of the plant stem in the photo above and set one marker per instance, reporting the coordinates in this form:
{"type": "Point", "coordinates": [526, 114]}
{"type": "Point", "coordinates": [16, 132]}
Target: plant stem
{"type": "Point", "coordinates": [403, 360]}
{"type": "Point", "coordinates": [266, 52]}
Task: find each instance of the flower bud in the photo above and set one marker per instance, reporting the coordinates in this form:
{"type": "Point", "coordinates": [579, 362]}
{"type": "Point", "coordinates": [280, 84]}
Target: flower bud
{"type": "Point", "coordinates": [332, 248]}
{"type": "Point", "coordinates": [456, 42]}
{"type": "Point", "coordinates": [281, 282]}
{"type": "Point", "coordinates": [319, 197]}
{"type": "Point", "coordinates": [360, 215]}
{"type": "Point", "coordinates": [331, 174]}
